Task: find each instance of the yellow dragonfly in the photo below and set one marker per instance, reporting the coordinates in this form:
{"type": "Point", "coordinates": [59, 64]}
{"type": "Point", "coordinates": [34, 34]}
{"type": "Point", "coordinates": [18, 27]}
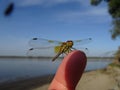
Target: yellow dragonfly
{"type": "Point", "coordinates": [59, 46]}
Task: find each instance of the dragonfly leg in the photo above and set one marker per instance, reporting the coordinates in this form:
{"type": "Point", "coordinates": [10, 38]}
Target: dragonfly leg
{"type": "Point", "coordinates": [65, 53]}
{"type": "Point", "coordinates": [68, 52]}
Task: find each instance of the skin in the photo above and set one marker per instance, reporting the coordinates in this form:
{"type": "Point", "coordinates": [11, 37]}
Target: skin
{"type": "Point", "coordinates": [69, 71]}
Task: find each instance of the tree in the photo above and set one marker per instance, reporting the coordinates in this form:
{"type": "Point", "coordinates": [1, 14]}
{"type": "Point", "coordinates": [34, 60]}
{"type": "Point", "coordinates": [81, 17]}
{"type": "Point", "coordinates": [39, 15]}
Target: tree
{"type": "Point", "coordinates": [116, 29]}
{"type": "Point", "coordinates": [114, 11]}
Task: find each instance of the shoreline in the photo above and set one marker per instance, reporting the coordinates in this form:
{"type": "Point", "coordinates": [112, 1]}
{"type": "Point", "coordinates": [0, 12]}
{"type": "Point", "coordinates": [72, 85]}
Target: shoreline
{"type": "Point", "coordinates": [29, 83]}
{"type": "Point", "coordinates": [102, 79]}
{"type": "Point", "coordinates": [44, 57]}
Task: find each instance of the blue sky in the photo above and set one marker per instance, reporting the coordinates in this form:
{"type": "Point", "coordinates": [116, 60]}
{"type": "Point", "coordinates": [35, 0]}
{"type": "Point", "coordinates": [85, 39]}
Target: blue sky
{"type": "Point", "coordinates": [58, 20]}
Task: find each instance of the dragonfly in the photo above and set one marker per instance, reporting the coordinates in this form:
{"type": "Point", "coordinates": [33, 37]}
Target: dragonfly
{"type": "Point", "coordinates": [59, 46]}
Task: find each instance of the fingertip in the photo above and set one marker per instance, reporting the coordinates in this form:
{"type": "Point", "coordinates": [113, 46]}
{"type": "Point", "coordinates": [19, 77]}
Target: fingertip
{"type": "Point", "coordinates": [75, 67]}
{"type": "Point", "coordinates": [70, 71]}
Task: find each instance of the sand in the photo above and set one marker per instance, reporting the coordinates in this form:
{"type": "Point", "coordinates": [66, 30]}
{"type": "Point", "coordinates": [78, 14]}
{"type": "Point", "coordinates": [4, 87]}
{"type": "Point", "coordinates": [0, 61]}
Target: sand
{"type": "Point", "coordinates": [96, 81]}
{"type": "Point", "coordinates": [105, 79]}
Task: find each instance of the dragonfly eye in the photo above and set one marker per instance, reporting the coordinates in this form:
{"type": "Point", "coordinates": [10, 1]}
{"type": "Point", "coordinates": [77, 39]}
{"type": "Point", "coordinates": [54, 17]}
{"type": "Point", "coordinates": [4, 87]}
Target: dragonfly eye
{"type": "Point", "coordinates": [70, 43]}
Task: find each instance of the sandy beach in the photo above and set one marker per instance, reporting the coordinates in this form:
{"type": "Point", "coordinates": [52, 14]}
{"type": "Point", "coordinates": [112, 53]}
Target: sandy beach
{"type": "Point", "coordinates": [104, 79]}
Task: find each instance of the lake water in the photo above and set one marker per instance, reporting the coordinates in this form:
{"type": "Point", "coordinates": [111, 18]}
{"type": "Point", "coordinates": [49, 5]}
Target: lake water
{"type": "Point", "coordinates": [17, 68]}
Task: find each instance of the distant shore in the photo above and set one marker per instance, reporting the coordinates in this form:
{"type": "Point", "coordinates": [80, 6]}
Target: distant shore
{"type": "Point", "coordinates": [43, 57]}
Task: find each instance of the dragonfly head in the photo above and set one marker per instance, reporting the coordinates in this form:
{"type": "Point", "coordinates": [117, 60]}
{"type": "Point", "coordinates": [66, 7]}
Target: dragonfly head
{"type": "Point", "coordinates": [70, 43]}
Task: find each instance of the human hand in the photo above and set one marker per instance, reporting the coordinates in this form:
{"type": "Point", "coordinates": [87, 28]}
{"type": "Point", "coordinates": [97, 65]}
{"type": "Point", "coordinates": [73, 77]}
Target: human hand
{"type": "Point", "coordinates": [69, 71]}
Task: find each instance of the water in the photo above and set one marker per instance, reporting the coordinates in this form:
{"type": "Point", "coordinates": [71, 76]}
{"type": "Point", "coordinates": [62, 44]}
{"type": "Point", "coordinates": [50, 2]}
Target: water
{"type": "Point", "coordinates": [17, 68]}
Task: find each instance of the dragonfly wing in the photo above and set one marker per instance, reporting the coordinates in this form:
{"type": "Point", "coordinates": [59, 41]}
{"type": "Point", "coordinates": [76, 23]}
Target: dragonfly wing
{"type": "Point", "coordinates": [46, 52]}
{"type": "Point", "coordinates": [83, 41]}
{"type": "Point", "coordinates": [85, 50]}
{"type": "Point", "coordinates": [43, 43]}
{"type": "Point", "coordinates": [77, 44]}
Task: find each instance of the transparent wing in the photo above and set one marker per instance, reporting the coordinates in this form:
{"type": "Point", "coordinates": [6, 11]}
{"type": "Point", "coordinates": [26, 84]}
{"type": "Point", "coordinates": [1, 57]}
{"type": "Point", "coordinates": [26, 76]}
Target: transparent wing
{"type": "Point", "coordinates": [43, 52]}
{"type": "Point", "coordinates": [43, 43]}
{"type": "Point", "coordinates": [78, 43]}
{"type": "Point", "coordinates": [85, 50]}
{"type": "Point", "coordinates": [83, 41]}
{"type": "Point", "coordinates": [40, 52]}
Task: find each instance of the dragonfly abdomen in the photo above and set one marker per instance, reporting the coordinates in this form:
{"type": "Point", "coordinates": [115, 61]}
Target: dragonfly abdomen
{"type": "Point", "coordinates": [56, 56]}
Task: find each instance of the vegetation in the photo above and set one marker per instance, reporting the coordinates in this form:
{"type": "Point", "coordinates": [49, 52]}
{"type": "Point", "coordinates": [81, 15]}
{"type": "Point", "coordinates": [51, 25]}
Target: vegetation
{"type": "Point", "coordinates": [114, 11]}
{"type": "Point", "coordinates": [114, 65]}
{"type": "Point", "coordinates": [117, 56]}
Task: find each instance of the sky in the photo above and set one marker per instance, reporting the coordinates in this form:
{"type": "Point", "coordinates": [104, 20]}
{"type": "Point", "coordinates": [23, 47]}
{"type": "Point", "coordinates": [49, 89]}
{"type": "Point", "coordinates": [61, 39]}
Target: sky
{"type": "Point", "coordinates": [56, 20]}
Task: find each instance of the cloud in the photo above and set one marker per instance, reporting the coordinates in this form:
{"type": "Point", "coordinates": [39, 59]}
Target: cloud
{"type": "Point", "coordinates": [24, 3]}
{"type": "Point", "coordinates": [100, 14]}
{"type": "Point", "coordinates": [97, 12]}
